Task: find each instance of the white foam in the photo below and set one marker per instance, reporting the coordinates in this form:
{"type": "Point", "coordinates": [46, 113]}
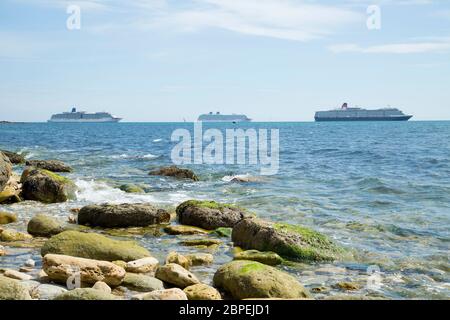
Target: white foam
{"type": "Point", "coordinates": [157, 140]}
{"type": "Point", "coordinates": [238, 176]}
{"type": "Point", "coordinates": [150, 156]}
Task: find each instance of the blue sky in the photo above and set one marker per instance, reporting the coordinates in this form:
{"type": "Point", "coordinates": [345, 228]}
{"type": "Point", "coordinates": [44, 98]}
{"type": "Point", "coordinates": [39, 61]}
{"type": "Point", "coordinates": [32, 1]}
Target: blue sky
{"type": "Point", "coordinates": [274, 60]}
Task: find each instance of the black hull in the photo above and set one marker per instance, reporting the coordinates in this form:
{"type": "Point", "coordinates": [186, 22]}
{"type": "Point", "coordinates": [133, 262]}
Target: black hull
{"type": "Point", "coordinates": [404, 118]}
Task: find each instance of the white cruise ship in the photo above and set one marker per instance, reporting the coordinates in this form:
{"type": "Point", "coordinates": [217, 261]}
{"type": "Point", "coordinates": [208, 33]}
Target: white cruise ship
{"type": "Point", "coordinates": [82, 116]}
{"type": "Point", "coordinates": [218, 117]}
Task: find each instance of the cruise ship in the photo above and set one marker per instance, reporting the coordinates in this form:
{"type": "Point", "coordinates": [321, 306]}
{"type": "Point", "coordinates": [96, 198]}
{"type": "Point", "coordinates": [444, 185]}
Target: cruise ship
{"type": "Point", "coordinates": [218, 117]}
{"type": "Point", "coordinates": [358, 114]}
{"type": "Point", "coordinates": [82, 116]}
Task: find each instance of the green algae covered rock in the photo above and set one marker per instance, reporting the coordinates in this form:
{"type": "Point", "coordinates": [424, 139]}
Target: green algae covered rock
{"type": "Point", "coordinates": [250, 279]}
{"type": "Point", "coordinates": [13, 290]}
{"type": "Point", "coordinates": [267, 257]}
{"type": "Point", "coordinates": [142, 283]}
{"type": "Point", "coordinates": [291, 242]}
{"type": "Point", "coordinates": [131, 188]}
{"type": "Point", "coordinates": [93, 246]}
{"type": "Point", "coordinates": [86, 294]}
{"type": "Point", "coordinates": [42, 225]}
{"type": "Point", "coordinates": [6, 217]}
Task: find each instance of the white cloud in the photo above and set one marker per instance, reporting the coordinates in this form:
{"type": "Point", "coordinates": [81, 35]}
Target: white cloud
{"type": "Point", "coordinates": [396, 48]}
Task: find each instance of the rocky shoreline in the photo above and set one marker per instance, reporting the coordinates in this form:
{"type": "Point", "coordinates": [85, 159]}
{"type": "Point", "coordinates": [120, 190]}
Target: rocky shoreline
{"type": "Point", "coordinates": [82, 259]}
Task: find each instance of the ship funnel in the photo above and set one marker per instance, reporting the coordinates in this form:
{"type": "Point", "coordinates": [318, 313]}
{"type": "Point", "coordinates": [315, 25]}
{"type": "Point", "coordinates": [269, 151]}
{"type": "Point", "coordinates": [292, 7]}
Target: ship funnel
{"type": "Point", "coordinates": [74, 109]}
{"type": "Point", "coordinates": [344, 106]}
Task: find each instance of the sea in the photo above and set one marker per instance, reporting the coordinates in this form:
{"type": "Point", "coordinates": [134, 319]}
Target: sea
{"type": "Point", "coordinates": [380, 189]}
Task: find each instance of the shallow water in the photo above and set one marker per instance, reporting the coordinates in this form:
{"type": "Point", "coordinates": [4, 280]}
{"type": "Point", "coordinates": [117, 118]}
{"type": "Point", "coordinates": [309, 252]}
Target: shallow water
{"type": "Point", "coordinates": [382, 189]}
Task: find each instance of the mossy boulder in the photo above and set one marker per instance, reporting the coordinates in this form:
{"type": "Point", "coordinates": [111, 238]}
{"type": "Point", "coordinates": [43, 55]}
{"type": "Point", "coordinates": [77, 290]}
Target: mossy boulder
{"type": "Point", "coordinates": [122, 215]}
{"type": "Point", "coordinates": [244, 279]}
{"type": "Point", "coordinates": [267, 257]}
{"type": "Point", "coordinates": [202, 292]}
{"type": "Point", "coordinates": [46, 186]}
{"type": "Point", "coordinates": [142, 283]}
{"type": "Point", "coordinates": [184, 230]}
{"type": "Point", "coordinates": [42, 225]}
{"type": "Point", "coordinates": [224, 232]}
{"type": "Point", "coordinates": [209, 215]}
{"type": "Point", "coordinates": [174, 171]}
{"type": "Point", "coordinates": [289, 241]}
{"type": "Point", "coordinates": [50, 165]}
{"type": "Point", "coordinates": [11, 235]}
{"type": "Point", "coordinates": [199, 258]}
{"type": "Point", "coordinates": [131, 188]}
{"type": "Point", "coordinates": [5, 170]}
{"type": "Point", "coordinates": [93, 246]}
{"type": "Point", "coordinates": [13, 290]}
{"type": "Point", "coordinates": [13, 157]}
{"type": "Point", "coordinates": [6, 217]}
{"type": "Point", "coordinates": [201, 242]}
{"type": "Point", "coordinates": [86, 294]}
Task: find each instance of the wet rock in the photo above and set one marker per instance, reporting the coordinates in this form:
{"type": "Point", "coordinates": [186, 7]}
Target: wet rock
{"type": "Point", "coordinates": [224, 232]}
{"type": "Point", "coordinates": [184, 230]}
{"type": "Point", "coordinates": [86, 294]}
{"type": "Point", "coordinates": [42, 225]}
{"type": "Point", "coordinates": [5, 170]}
{"type": "Point", "coordinates": [174, 171]}
{"type": "Point", "coordinates": [175, 257]}
{"type": "Point", "coordinates": [46, 186]}
{"type": "Point", "coordinates": [202, 292]}
{"type": "Point", "coordinates": [120, 263]}
{"type": "Point", "coordinates": [168, 294]}
{"type": "Point", "coordinates": [6, 217]}
{"type": "Point", "coordinates": [209, 215]}
{"type": "Point", "coordinates": [93, 246]}
{"type": "Point", "coordinates": [47, 291]}
{"type": "Point", "coordinates": [142, 283]}
{"type": "Point", "coordinates": [347, 286]}
{"type": "Point", "coordinates": [131, 188]}
{"type": "Point", "coordinates": [13, 274]}
{"type": "Point", "coordinates": [123, 215]}
{"type": "Point", "coordinates": [250, 279]}
{"type": "Point", "coordinates": [50, 165]}
{"type": "Point", "coordinates": [30, 263]}
{"type": "Point", "coordinates": [10, 235]}
{"type": "Point", "coordinates": [2, 251]}
{"type": "Point", "coordinates": [177, 275]}
{"type": "Point", "coordinates": [12, 190]}
{"type": "Point", "coordinates": [289, 241]}
{"type": "Point", "coordinates": [200, 259]}
{"type": "Point", "coordinates": [201, 242]}
{"type": "Point", "coordinates": [144, 265]}
{"type": "Point", "coordinates": [102, 286]}
{"type": "Point", "coordinates": [13, 157]}
{"type": "Point", "coordinates": [59, 268]}
{"type": "Point", "coordinates": [269, 258]}
{"type": "Point", "coordinates": [13, 290]}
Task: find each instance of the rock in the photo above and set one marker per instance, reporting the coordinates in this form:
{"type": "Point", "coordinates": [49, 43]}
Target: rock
{"type": "Point", "coordinates": [13, 274]}
{"type": "Point", "coordinates": [30, 263]}
{"type": "Point", "coordinates": [13, 157]}
{"type": "Point", "coordinates": [168, 294]}
{"type": "Point", "coordinates": [174, 257]}
{"type": "Point", "coordinates": [2, 251]}
{"type": "Point", "coordinates": [269, 258]}
{"type": "Point", "coordinates": [200, 259]}
{"type": "Point", "coordinates": [330, 270]}
{"type": "Point", "coordinates": [13, 290]}
{"type": "Point", "coordinates": [174, 171]}
{"type": "Point", "coordinates": [11, 193]}
{"type": "Point", "coordinates": [5, 170]}
{"type": "Point", "coordinates": [223, 232]}
{"type": "Point", "coordinates": [26, 269]}
{"type": "Point", "coordinates": [102, 286]}
{"type": "Point", "coordinates": [144, 265]}
{"type": "Point", "coordinates": [120, 263]}
{"type": "Point", "coordinates": [250, 279]}
{"type": "Point", "coordinates": [30, 284]}
{"type": "Point", "coordinates": [46, 186]}
{"type": "Point", "coordinates": [6, 217]}
{"type": "Point", "coordinates": [347, 286]}
{"type": "Point", "coordinates": [201, 242]}
{"type": "Point", "coordinates": [177, 275]}
{"type": "Point", "coordinates": [184, 230]}
{"type": "Point", "coordinates": [42, 225]}
{"type": "Point", "coordinates": [209, 215]}
{"type": "Point", "coordinates": [86, 294]}
{"type": "Point", "coordinates": [93, 246]}
{"type": "Point", "coordinates": [10, 235]}
{"type": "Point", "coordinates": [59, 268]}
{"type": "Point", "coordinates": [202, 292]}
{"type": "Point", "coordinates": [47, 291]}
{"type": "Point", "coordinates": [131, 188]}
{"type": "Point", "coordinates": [123, 215]}
{"type": "Point", "coordinates": [50, 165]}
{"type": "Point", "coordinates": [142, 283]}
{"type": "Point", "coordinates": [289, 241]}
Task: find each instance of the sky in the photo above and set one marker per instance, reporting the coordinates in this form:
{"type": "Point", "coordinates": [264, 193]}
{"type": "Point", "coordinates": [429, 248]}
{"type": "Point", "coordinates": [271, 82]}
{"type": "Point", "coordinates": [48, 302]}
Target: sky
{"type": "Point", "coordinates": [273, 60]}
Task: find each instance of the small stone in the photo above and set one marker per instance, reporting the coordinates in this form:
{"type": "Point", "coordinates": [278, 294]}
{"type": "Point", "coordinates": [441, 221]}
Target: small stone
{"type": "Point", "coordinates": [184, 230]}
{"type": "Point", "coordinates": [142, 283]}
{"type": "Point", "coordinates": [347, 286]}
{"type": "Point", "coordinates": [120, 263]}
{"type": "Point", "coordinates": [86, 294]}
{"type": "Point", "coordinates": [177, 275]}
{"type": "Point", "coordinates": [224, 232]}
{"type": "Point", "coordinates": [201, 242]}
{"type": "Point", "coordinates": [10, 235]}
{"type": "Point", "coordinates": [13, 274]}
{"type": "Point", "coordinates": [42, 225]}
{"type": "Point", "coordinates": [30, 263]}
{"type": "Point", "coordinates": [168, 294]}
{"type": "Point", "coordinates": [6, 217]}
{"type": "Point", "coordinates": [144, 265]}
{"type": "Point", "coordinates": [199, 259]}
{"type": "Point", "coordinates": [47, 291]}
{"type": "Point", "coordinates": [269, 258]}
{"type": "Point", "coordinates": [202, 292]}
{"type": "Point", "coordinates": [174, 257]}
{"type": "Point", "coordinates": [102, 286]}
{"type": "Point", "coordinates": [26, 269]}
{"type": "Point", "coordinates": [119, 291]}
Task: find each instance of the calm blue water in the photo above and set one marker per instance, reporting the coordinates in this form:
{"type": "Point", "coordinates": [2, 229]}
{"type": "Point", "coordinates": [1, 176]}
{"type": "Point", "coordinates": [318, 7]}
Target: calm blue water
{"type": "Point", "coordinates": [380, 188]}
